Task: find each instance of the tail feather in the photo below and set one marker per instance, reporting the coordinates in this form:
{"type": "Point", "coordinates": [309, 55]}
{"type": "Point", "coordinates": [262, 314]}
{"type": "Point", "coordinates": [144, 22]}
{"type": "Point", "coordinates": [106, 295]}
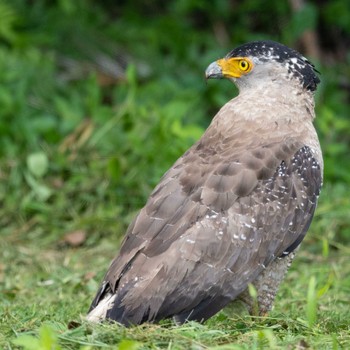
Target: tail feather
{"type": "Point", "coordinates": [99, 313]}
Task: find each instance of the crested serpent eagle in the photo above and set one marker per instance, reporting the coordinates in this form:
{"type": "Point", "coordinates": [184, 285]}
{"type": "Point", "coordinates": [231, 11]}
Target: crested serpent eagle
{"type": "Point", "coordinates": [234, 208]}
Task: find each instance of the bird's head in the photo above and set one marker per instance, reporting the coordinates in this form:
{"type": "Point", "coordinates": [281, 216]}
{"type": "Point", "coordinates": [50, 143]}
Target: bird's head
{"type": "Point", "coordinates": [264, 61]}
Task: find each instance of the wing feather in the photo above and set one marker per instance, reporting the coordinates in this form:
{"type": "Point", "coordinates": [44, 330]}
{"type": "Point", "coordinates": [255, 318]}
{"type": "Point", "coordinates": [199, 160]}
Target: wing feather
{"type": "Point", "coordinates": [209, 229]}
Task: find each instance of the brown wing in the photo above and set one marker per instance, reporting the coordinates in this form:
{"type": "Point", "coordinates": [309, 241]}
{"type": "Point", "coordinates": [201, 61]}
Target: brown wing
{"type": "Point", "coordinates": [209, 228]}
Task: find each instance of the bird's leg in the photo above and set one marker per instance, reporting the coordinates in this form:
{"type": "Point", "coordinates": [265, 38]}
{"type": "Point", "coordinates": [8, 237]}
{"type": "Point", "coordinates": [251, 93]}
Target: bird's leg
{"type": "Point", "coordinates": [266, 286]}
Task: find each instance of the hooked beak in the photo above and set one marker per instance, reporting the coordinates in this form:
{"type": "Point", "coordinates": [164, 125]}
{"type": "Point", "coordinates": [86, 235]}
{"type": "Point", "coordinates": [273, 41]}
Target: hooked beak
{"type": "Point", "coordinates": [214, 71]}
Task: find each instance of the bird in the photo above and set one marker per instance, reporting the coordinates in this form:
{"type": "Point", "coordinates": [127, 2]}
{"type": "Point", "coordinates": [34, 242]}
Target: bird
{"type": "Point", "coordinates": [233, 209]}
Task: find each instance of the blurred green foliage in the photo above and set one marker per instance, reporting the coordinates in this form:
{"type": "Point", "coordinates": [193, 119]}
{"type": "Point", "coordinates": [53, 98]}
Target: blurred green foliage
{"type": "Point", "coordinates": [98, 99]}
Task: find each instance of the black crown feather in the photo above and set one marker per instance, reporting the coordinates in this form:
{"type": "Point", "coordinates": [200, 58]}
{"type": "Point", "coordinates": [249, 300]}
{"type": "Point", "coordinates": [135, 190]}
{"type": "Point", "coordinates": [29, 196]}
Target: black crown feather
{"type": "Point", "coordinates": [297, 65]}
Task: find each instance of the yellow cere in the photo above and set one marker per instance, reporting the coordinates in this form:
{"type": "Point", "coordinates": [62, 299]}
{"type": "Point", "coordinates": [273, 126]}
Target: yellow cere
{"type": "Point", "coordinates": [235, 67]}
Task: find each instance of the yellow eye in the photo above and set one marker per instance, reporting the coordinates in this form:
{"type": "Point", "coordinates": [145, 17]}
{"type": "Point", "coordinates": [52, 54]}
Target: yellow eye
{"type": "Point", "coordinates": [244, 65]}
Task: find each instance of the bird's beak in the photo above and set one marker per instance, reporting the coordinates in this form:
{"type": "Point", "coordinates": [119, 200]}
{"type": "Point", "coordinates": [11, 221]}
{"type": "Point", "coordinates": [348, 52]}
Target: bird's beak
{"type": "Point", "coordinates": [214, 71]}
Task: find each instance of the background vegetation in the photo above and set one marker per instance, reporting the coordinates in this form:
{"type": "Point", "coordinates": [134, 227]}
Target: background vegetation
{"type": "Point", "coordinates": [97, 100]}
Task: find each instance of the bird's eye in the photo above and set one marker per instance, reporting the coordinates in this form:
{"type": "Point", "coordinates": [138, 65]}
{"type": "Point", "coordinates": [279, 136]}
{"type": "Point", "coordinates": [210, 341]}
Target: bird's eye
{"type": "Point", "coordinates": [243, 65]}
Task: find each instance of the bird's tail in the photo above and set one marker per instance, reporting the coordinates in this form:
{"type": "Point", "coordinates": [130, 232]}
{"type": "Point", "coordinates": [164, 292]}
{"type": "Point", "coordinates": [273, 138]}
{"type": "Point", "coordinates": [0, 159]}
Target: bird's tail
{"type": "Point", "coordinates": [99, 313]}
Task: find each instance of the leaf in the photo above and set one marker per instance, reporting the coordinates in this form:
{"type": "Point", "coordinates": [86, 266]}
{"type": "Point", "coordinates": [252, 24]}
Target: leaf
{"type": "Point", "coordinates": [254, 295]}
{"type": "Point", "coordinates": [127, 344]}
{"type": "Point", "coordinates": [8, 19]}
{"type": "Point", "coordinates": [28, 342]}
{"type": "Point", "coordinates": [114, 168]}
{"type": "Point", "coordinates": [311, 307]}
{"type": "Point", "coordinates": [38, 164]}
{"type": "Point", "coordinates": [41, 191]}
{"type": "Point", "coordinates": [73, 324]}
{"type": "Point", "coordinates": [269, 336]}
{"type": "Point", "coordinates": [48, 338]}
{"type": "Point", "coordinates": [75, 238]}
